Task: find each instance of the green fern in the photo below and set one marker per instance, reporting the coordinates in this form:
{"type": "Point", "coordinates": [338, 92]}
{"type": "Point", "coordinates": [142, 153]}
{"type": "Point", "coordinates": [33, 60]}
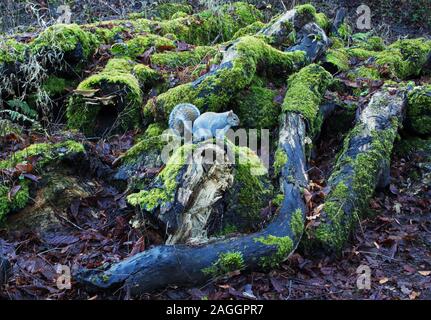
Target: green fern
{"type": "Point", "coordinates": [23, 108]}
{"type": "Point", "coordinates": [16, 116]}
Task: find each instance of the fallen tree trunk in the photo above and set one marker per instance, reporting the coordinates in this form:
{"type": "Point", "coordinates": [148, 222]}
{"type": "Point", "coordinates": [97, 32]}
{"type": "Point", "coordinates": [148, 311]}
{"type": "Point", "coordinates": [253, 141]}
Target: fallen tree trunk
{"type": "Point", "coordinates": [188, 265]}
{"type": "Point", "coordinates": [362, 166]}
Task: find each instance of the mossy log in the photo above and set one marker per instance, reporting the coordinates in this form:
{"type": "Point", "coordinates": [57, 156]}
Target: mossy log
{"type": "Point", "coordinates": [185, 265]}
{"type": "Point", "coordinates": [112, 98]}
{"type": "Point", "coordinates": [202, 28]}
{"type": "Point", "coordinates": [180, 264]}
{"type": "Point", "coordinates": [188, 196]}
{"type": "Point", "coordinates": [362, 166]}
{"type": "Point", "coordinates": [403, 59]}
{"type": "Point", "coordinates": [243, 60]}
{"type": "Point", "coordinates": [419, 110]}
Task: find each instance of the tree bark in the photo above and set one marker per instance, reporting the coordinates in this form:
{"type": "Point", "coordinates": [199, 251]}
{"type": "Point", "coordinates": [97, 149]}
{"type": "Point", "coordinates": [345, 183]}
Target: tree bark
{"type": "Point", "coordinates": [187, 265]}
{"type": "Point", "coordinates": [361, 167]}
{"type": "Point", "coordinates": [184, 265]}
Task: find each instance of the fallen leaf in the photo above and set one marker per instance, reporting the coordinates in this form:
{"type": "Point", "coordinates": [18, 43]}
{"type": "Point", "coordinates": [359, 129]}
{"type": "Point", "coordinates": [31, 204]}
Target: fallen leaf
{"type": "Point", "coordinates": [31, 177]}
{"type": "Point", "coordinates": [383, 280]}
{"type": "Point", "coordinates": [424, 273]}
{"type": "Point", "coordinates": [13, 192]}
{"type": "Point", "coordinates": [409, 269]}
{"type": "Point", "coordinates": [24, 167]}
{"type": "Point", "coordinates": [139, 246]}
{"type": "Point", "coordinates": [405, 290]}
{"type": "Point", "coordinates": [60, 239]}
{"type": "Point", "coordinates": [224, 286]}
{"type": "Point", "coordinates": [414, 295]}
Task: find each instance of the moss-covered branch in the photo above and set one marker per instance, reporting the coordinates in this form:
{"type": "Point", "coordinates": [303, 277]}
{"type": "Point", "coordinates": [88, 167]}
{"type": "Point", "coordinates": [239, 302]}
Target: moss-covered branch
{"type": "Point", "coordinates": [360, 168]}
{"type": "Point", "coordinates": [214, 90]}
{"type": "Point", "coordinates": [202, 28]}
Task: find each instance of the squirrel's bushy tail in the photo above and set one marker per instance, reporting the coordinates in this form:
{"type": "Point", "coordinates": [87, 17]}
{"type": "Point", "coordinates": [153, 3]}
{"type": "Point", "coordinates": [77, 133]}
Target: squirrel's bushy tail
{"type": "Point", "coordinates": [182, 117]}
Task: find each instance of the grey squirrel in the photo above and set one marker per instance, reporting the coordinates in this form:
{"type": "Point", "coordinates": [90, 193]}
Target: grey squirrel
{"type": "Point", "coordinates": [185, 117]}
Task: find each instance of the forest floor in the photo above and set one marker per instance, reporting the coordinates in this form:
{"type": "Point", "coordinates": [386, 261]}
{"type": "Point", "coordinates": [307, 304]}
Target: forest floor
{"type": "Point", "coordinates": [394, 242]}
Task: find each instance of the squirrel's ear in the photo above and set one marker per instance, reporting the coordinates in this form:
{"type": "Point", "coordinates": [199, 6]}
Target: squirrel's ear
{"type": "Point", "coordinates": [230, 112]}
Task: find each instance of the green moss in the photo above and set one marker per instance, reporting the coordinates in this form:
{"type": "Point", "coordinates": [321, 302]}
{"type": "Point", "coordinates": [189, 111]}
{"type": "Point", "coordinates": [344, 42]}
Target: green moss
{"type": "Point", "coordinates": [249, 30]}
{"type": "Point", "coordinates": [168, 179]}
{"type": "Point", "coordinates": [167, 11]}
{"type": "Point", "coordinates": [207, 26]}
{"type": "Point", "coordinates": [413, 54]}
{"type": "Point", "coordinates": [118, 75]}
{"type": "Point", "coordinates": [337, 223]}
{"type": "Point", "coordinates": [419, 110]}
{"type": "Point", "coordinates": [145, 74]}
{"type": "Point", "coordinates": [11, 51]}
{"type": "Point", "coordinates": [55, 85]}
{"type": "Point", "coordinates": [164, 11]}
{"type": "Point", "coordinates": [304, 95]}
{"type": "Point", "coordinates": [284, 247]}
{"type": "Point", "coordinates": [108, 31]}
{"type": "Point", "coordinates": [183, 58]}
{"type": "Point", "coordinates": [11, 203]}
{"type": "Point", "coordinates": [323, 21]}
{"type": "Point", "coordinates": [256, 108]}
{"type": "Point", "coordinates": [371, 44]}
{"type": "Point", "coordinates": [252, 189]}
{"type": "Point", "coordinates": [65, 38]}
{"type": "Point", "coordinates": [179, 14]}
{"type": "Point", "coordinates": [339, 58]}
{"type": "Point", "coordinates": [151, 141]}
{"type": "Point", "coordinates": [278, 200]}
{"type": "Point", "coordinates": [362, 54]}
{"type": "Point", "coordinates": [227, 262]}
{"type": "Point", "coordinates": [297, 223]}
{"type": "Point", "coordinates": [337, 43]}
{"type": "Point", "coordinates": [403, 59]}
{"type": "Point", "coordinates": [344, 31]}
{"type": "Point", "coordinates": [46, 154]}
{"type": "Point", "coordinates": [279, 161]}
{"type": "Point", "coordinates": [202, 28]}
{"type": "Point", "coordinates": [148, 200]}
{"type": "Point", "coordinates": [306, 9]}
{"type": "Point", "coordinates": [335, 233]}
{"type": "Point", "coordinates": [364, 72]}
{"type": "Point", "coordinates": [213, 91]}
{"type": "Point", "coordinates": [140, 44]}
